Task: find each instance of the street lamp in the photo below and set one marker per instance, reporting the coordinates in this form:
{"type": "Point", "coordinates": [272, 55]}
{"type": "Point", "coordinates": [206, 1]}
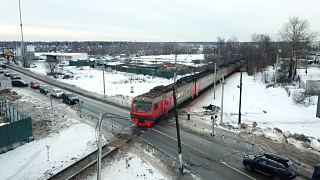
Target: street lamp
{"type": "Point", "coordinates": [22, 43]}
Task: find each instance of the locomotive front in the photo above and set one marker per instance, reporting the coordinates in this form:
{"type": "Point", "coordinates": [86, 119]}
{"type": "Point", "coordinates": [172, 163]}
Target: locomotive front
{"type": "Point", "coordinates": [141, 111]}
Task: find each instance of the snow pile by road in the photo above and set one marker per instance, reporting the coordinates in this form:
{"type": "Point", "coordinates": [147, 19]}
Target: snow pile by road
{"type": "Point", "coordinates": [31, 161]}
{"type": "Point", "coordinates": [130, 166]}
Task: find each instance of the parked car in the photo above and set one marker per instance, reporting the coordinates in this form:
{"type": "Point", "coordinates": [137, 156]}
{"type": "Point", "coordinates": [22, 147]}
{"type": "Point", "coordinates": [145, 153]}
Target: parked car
{"type": "Point", "coordinates": [277, 166]}
{"type": "Point", "coordinates": [7, 73]}
{"type": "Point", "coordinates": [1, 70]}
{"type": "Point", "coordinates": [70, 98]}
{"type": "Point", "coordinates": [56, 92]}
{"type": "Point", "coordinates": [3, 66]}
{"type": "Point", "coordinates": [68, 75]}
{"type": "Point", "coordinates": [44, 89]}
{"type": "Point", "coordinates": [19, 83]}
{"type": "Point", "coordinates": [16, 76]}
{"type": "Point", "coordinates": [35, 84]}
{"type": "Point", "coordinates": [13, 74]}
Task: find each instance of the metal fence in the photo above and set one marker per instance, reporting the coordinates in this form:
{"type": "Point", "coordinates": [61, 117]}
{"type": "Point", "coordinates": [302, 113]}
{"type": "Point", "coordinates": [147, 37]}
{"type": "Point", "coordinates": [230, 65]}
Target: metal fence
{"type": "Point", "coordinates": [15, 132]}
{"type": "Point", "coordinates": [12, 113]}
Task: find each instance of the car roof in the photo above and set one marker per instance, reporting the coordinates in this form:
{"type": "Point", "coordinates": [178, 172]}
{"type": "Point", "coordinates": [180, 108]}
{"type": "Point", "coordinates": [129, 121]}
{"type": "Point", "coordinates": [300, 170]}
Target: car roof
{"type": "Point", "coordinates": [69, 93]}
{"type": "Point", "coordinates": [18, 80]}
{"type": "Point", "coordinates": [34, 81]}
{"type": "Point", "coordinates": [276, 157]}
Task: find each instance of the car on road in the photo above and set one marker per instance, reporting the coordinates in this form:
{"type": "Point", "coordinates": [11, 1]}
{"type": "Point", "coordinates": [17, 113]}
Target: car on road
{"type": "Point", "coordinates": [56, 92]}
{"type": "Point", "coordinates": [275, 165]}
{"type": "Point", "coordinates": [19, 83]}
{"type": "Point", "coordinates": [44, 89]}
{"type": "Point", "coordinates": [3, 66]}
{"type": "Point", "coordinates": [1, 70]}
{"type": "Point", "coordinates": [70, 98]}
{"type": "Point", "coordinates": [7, 73]}
{"type": "Point", "coordinates": [15, 76]}
{"type": "Point", "coordinates": [35, 84]}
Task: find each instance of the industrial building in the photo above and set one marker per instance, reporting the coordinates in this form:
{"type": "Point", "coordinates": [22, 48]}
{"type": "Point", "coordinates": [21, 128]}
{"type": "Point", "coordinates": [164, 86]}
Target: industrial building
{"type": "Point", "coordinates": [61, 57]}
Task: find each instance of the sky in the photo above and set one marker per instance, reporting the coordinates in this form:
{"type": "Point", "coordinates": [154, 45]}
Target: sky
{"type": "Point", "coordinates": [140, 20]}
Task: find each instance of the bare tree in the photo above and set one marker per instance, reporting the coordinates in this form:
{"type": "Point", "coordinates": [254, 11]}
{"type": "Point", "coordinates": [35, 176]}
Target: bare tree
{"type": "Point", "coordinates": [51, 66]}
{"type": "Point", "coordinates": [297, 34]}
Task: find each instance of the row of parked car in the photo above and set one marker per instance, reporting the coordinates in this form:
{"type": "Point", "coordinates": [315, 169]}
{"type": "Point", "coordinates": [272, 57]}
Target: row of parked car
{"type": "Point", "coordinates": [16, 81]}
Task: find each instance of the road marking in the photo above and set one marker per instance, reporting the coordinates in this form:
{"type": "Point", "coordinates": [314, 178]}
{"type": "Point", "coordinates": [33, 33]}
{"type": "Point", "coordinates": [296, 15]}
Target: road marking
{"type": "Point", "coordinates": [208, 155]}
{"type": "Point", "coordinates": [237, 170]}
{"type": "Point", "coordinates": [182, 142]}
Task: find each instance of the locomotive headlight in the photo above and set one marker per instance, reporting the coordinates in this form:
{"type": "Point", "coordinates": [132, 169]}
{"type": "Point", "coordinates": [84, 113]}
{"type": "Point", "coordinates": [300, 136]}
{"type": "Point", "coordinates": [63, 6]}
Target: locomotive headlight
{"type": "Point", "coordinates": [148, 113]}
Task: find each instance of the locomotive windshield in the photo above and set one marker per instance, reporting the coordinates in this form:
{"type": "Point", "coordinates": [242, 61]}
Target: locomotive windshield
{"type": "Point", "coordinates": [142, 105]}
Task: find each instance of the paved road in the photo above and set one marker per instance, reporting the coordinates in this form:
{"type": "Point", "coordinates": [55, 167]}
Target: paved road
{"type": "Point", "coordinates": [209, 159]}
{"type": "Point", "coordinates": [90, 107]}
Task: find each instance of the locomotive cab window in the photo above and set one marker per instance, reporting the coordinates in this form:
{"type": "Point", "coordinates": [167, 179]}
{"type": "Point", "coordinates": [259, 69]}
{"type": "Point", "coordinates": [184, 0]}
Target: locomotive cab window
{"type": "Point", "coordinates": [142, 105]}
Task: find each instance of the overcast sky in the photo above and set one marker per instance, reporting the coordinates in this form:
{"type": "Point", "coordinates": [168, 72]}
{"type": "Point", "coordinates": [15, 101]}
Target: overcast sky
{"type": "Point", "coordinates": [150, 20]}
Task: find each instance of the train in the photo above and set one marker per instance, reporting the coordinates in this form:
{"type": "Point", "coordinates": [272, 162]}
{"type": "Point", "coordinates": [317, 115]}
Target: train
{"type": "Point", "coordinates": [148, 107]}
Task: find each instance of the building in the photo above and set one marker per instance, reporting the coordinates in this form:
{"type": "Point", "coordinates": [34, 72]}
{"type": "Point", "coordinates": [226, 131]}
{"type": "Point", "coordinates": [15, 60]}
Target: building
{"type": "Point", "coordinates": [61, 57]}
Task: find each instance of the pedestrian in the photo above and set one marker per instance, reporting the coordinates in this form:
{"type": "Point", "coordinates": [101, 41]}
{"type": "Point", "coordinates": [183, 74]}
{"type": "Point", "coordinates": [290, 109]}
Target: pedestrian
{"type": "Point", "coordinates": [189, 112]}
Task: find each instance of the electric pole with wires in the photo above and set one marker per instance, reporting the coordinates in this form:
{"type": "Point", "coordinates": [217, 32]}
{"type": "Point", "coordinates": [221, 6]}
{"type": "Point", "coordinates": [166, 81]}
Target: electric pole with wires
{"type": "Point", "coordinates": [176, 115]}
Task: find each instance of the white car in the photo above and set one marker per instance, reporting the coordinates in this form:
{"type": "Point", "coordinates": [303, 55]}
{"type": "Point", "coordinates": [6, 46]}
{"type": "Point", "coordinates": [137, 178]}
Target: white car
{"type": "Point", "coordinates": [56, 93]}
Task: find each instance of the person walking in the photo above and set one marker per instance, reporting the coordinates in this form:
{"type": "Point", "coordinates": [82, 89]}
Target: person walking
{"type": "Point", "coordinates": [189, 112]}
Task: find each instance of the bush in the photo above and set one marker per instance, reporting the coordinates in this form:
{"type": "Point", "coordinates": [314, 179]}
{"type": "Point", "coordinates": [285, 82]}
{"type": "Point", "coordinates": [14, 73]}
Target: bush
{"type": "Point", "coordinates": [298, 97]}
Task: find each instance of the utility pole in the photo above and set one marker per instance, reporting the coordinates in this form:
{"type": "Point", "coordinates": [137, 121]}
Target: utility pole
{"type": "Point", "coordinates": [222, 99]}
{"type": "Point", "coordinates": [104, 86]}
{"type": "Point", "coordinates": [99, 149]}
{"type": "Point", "coordinates": [214, 84]}
{"type": "Point", "coordinates": [22, 43]}
{"type": "Point", "coordinates": [176, 114]}
{"type": "Point", "coordinates": [239, 121]}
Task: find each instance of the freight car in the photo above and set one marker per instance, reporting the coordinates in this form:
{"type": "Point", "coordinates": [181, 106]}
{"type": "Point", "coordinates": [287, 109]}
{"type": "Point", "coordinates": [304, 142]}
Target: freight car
{"type": "Point", "coordinates": [148, 107]}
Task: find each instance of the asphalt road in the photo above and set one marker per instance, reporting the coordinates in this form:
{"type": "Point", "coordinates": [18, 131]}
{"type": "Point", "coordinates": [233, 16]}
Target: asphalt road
{"type": "Point", "coordinates": [119, 123]}
{"type": "Point", "coordinates": [209, 159]}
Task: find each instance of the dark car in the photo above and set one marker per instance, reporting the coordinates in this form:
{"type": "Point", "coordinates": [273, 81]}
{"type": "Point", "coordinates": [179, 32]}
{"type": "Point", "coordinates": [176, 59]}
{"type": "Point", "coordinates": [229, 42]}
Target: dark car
{"type": "Point", "coordinates": [277, 166]}
{"type": "Point", "coordinates": [3, 66]}
{"type": "Point", "coordinates": [70, 98]}
{"type": "Point", "coordinates": [16, 76]}
{"type": "Point", "coordinates": [35, 84]}
{"type": "Point", "coordinates": [44, 89]}
{"type": "Point", "coordinates": [7, 73]}
{"type": "Point", "coordinates": [19, 83]}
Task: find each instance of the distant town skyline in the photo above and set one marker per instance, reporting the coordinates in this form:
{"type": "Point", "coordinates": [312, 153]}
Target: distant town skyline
{"type": "Point", "coordinates": [125, 20]}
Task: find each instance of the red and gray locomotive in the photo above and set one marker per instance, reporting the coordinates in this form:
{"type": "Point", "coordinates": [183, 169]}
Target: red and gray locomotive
{"type": "Point", "coordinates": [148, 107]}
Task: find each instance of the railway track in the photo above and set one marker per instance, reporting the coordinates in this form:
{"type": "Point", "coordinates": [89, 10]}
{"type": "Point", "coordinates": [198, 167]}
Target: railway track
{"type": "Point", "coordinates": [90, 161]}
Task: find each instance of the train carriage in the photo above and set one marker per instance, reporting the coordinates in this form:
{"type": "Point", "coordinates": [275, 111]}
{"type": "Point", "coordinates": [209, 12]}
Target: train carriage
{"type": "Point", "coordinates": [148, 107]}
